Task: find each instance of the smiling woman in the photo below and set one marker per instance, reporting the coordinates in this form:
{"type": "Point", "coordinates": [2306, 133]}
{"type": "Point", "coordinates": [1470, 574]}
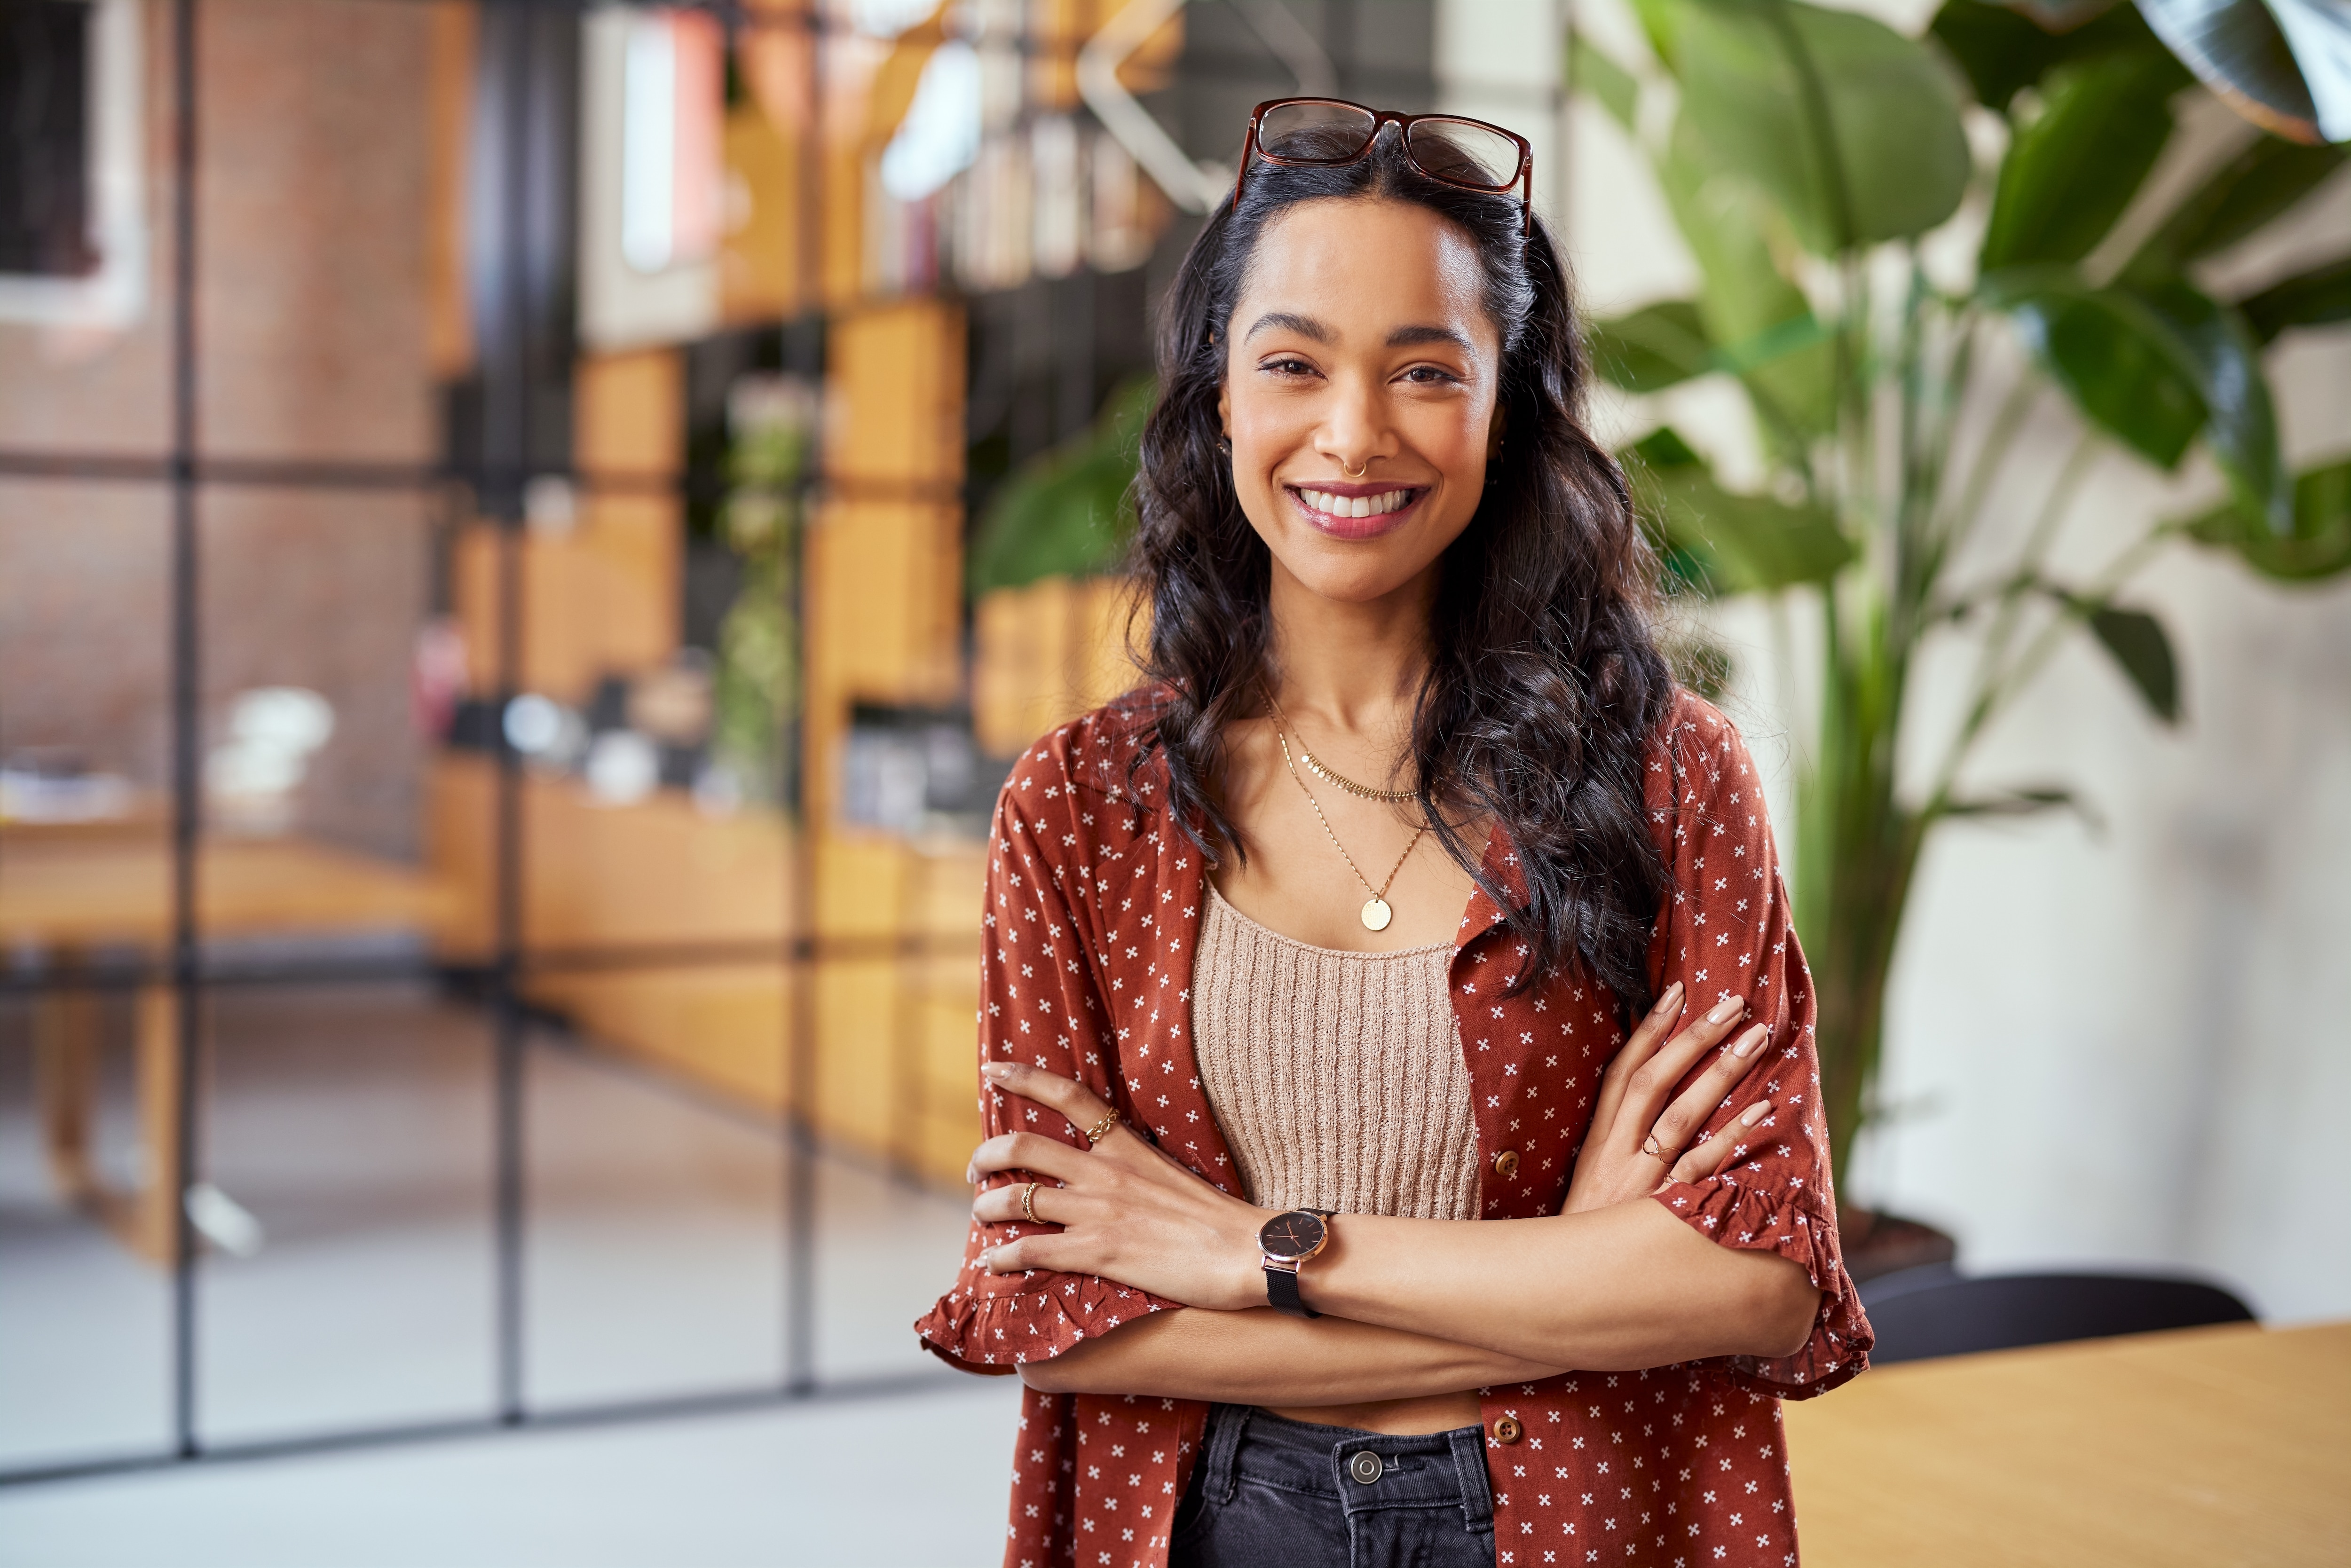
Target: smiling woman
{"type": "Point", "coordinates": [1483, 1220]}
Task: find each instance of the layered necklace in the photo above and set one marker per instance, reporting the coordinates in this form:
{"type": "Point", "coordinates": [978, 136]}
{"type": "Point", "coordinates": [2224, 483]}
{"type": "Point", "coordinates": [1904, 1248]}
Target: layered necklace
{"type": "Point", "coordinates": [1377, 912]}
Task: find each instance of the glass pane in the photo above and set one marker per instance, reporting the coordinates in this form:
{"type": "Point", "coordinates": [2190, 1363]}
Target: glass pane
{"type": "Point", "coordinates": [85, 1316]}
{"type": "Point", "coordinates": [656, 1188]}
{"type": "Point", "coordinates": [1466, 153]}
{"type": "Point", "coordinates": [1315, 131]}
{"type": "Point", "coordinates": [348, 1282]}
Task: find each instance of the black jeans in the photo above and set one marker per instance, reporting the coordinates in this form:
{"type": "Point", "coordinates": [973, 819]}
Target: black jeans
{"type": "Point", "coordinates": [1270, 1493]}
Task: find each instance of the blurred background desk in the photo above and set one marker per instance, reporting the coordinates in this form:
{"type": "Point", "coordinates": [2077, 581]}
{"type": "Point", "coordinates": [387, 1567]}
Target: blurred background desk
{"type": "Point", "coordinates": [70, 894]}
{"type": "Point", "coordinates": [2205, 1447]}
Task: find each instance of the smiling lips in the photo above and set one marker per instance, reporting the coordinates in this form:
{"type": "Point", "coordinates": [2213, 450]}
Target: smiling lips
{"type": "Point", "coordinates": [1355, 511]}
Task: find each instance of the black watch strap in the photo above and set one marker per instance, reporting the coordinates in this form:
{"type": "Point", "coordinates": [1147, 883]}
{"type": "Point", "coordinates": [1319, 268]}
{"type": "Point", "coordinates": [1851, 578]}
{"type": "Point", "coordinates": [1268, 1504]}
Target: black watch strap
{"type": "Point", "coordinates": [1282, 1285]}
{"type": "Point", "coordinates": [1282, 1293]}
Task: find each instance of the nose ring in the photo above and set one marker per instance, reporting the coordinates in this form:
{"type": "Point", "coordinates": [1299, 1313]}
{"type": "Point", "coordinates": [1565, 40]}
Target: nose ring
{"type": "Point", "coordinates": [1354, 473]}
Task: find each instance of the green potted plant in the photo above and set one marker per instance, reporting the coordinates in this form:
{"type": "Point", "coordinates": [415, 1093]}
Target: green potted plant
{"type": "Point", "coordinates": [1808, 156]}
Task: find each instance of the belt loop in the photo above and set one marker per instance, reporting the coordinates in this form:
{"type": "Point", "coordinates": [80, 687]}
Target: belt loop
{"type": "Point", "coordinates": [1477, 1492]}
{"type": "Point", "coordinates": [1225, 1425]}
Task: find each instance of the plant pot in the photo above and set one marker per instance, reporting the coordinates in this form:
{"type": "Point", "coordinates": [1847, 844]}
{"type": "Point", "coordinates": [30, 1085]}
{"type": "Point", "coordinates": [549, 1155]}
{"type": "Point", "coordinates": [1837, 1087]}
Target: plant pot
{"type": "Point", "coordinates": [1879, 1243]}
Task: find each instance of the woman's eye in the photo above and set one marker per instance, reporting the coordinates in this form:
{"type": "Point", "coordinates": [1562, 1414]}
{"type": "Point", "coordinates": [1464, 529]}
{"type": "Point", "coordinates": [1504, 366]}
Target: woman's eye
{"type": "Point", "coordinates": [1430, 376]}
{"type": "Point", "coordinates": [1287, 367]}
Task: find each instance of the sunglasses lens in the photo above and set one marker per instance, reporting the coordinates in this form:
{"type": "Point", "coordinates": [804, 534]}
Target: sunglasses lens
{"type": "Point", "coordinates": [1315, 131]}
{"type": "Point", "coordinates": [1466, 153]}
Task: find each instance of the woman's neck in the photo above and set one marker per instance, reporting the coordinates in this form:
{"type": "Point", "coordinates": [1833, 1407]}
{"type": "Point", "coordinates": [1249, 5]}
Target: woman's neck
{"type": "Point", "coordinates": [1355, 668]}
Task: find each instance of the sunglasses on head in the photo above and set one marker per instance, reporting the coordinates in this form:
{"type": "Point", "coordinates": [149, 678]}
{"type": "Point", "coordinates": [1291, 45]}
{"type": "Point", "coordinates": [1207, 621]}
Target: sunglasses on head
{"type": "Point", "coordinates": [1327, 132]}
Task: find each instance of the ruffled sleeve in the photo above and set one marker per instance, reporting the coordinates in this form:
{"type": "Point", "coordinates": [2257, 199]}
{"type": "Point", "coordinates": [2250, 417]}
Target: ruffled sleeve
{"type": "Point", "coordinates": [1727, 933]}
{"type": "Point", "coordinates": [1041, 1002]}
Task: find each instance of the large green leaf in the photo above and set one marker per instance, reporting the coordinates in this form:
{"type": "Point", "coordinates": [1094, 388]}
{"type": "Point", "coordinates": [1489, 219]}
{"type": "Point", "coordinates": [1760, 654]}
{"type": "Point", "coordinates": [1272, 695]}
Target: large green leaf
{"type": "Point", "coordinates": [2236, 49]}
{"type": "Point", "coordinates": [2306, 299]}
{"type": "Point", "coordinates": [1066, 513]}
{"type": "Point", "coordinates": [2227, 363]}
{"type": "Point", "coordinates": [1728, 543]}
{"type": "Point", "coordinates": [2155, 364]}
{"type": "Point", "coordinates": [1852, 129]}
{"type": "Point", "coordinates": [2319, 547]}
{"type": "Point", "coordinates": [2069, 174]}
{"type": "Point", "coordinates": [1653, 348]}
{"type": "Point", "coordinates": [2003, 51]}
{"type": "Point", "coordinates": [1742, 295]}
{"type": "Point", "coordinates": [2255, 187]}
{"type": "Point", "coordinates": [2143, 651]}
{"type": "Point", "coordinates": [2119, 361]}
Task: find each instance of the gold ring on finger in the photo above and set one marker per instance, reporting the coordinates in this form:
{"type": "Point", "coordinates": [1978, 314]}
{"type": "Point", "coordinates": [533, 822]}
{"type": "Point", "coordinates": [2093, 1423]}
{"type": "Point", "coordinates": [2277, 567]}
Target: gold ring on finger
{"type": "Point", "coordinates": [1028, 1203]}
{"type": "Point", "coordinates": [1100, 1130]}
{"type": "Point", "coordinates": [1651, 1149]}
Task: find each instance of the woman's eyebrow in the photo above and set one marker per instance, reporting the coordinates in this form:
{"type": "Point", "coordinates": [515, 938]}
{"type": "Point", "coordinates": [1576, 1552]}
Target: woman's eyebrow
{"type": "Point", "coordinates": [1304, 326]}
{"type": "Point", "coordinates": [1407, 337]}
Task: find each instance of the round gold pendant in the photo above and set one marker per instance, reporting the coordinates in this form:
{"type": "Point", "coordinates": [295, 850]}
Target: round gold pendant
{"type": "Point", "coordinates": [1376, 914]}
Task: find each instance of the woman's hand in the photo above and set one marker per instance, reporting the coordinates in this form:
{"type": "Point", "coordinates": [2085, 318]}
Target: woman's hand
{"type": "Point", "coordinates": [1637, 1142]}
{"type": "Point", "coordinates": [1127, 1211]}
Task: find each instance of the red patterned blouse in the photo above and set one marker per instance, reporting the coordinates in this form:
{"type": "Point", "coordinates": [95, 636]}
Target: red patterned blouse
{"type": "Point", "coordinates": [1093, 905]}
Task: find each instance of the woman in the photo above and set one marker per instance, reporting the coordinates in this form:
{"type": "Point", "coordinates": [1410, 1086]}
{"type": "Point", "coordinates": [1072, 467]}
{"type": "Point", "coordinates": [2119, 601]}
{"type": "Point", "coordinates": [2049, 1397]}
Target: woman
{"type": "Point", "coordinates": [1410, 892]}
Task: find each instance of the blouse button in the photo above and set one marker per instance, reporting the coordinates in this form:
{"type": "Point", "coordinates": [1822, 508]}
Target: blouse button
{"type": "Point", "coordinates": [1505, 1164]}
{"type": "Point", "coordinates": [1507, 1430]}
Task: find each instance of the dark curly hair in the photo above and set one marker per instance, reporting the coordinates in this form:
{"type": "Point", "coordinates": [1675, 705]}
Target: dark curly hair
{"type": "Point", "coordinates": [1546, 689]}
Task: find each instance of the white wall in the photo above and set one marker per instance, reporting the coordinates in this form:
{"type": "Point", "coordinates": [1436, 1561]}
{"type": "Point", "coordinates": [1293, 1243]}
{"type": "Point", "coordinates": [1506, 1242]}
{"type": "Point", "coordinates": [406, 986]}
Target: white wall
{"type": "Point", "coordinates": [2127, 1046]}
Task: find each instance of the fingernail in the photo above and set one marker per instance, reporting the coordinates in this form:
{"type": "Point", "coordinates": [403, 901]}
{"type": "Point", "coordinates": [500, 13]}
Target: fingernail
{"type": "Point", "coordinates": [971, 1176]}
{"type": "Point", "coordinates": [1747, 1044]}
{"type": "Point", "coordinates": [1725, 1010]}
{"type": "Point", "coordinates": [998, 1070]}
{"type": "Point", "coordinates": [1671, 1000]}
{"type": "Point", "coordinates": [1754, 1114]}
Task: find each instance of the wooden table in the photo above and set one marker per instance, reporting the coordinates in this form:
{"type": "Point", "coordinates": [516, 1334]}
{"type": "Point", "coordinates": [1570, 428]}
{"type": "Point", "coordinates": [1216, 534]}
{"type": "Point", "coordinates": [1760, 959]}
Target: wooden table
{"type": "Point", "coordinates": [2207, 1448]}
{"type": "Point", "coordinates": [65, 893]}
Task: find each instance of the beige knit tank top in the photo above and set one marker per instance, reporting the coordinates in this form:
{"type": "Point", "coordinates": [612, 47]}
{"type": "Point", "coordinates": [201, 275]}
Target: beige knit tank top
{"type": "Point", "coordinates": [1336, 1077]}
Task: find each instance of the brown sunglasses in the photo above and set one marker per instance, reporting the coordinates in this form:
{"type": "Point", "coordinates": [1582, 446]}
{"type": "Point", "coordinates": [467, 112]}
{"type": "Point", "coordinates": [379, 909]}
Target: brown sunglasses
{"type": "Point", "coordinates": [1452, 149]}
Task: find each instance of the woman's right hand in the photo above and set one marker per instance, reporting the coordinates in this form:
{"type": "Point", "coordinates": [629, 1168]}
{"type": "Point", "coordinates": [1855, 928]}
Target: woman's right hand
{"type": "Point", "coordinates": [1637, 1142]}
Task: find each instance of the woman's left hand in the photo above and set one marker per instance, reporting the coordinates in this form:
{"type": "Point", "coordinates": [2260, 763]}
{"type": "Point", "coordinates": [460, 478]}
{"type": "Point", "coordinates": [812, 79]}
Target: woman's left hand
{"type": "Point", "coordinates": [1127, 1211]}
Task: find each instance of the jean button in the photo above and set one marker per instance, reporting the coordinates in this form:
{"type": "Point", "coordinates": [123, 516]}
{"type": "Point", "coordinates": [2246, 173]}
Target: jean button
{"type": "Point", "coordinates": [1366, 1465]}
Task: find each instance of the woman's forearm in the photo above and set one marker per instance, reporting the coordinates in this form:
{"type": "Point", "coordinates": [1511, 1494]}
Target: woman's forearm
{"type": "Point", "coordinates": [1260, 1357]}
{"type": "Point", "coordinates": [1611, 1289]}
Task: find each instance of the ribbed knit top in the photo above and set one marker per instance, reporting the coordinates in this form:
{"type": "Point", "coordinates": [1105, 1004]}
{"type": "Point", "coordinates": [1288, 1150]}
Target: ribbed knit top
{"type": "Point", "coordinates": [1337, 1077]}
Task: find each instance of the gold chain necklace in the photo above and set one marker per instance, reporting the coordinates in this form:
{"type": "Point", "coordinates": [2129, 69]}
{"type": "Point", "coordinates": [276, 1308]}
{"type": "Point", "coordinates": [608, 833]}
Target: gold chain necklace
{"type": "Point", "coordinates": [1329, 775]}
{"type": "Point", "coordinates": [1376, 911]}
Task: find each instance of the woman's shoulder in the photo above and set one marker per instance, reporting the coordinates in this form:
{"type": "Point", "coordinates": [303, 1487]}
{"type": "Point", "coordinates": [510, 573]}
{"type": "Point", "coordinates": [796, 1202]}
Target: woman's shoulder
{"type": "Point", "coordinates": [1694, 733]}
{"type": "Point", "coordinates": [1698, 760]}
{"type": "Point", "coordinates": [1107, 752]}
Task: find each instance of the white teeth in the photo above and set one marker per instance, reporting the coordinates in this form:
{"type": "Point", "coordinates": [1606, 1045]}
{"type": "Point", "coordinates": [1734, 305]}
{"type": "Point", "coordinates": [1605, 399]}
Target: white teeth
{"type": "Point", "coordinates": [1332, 505]}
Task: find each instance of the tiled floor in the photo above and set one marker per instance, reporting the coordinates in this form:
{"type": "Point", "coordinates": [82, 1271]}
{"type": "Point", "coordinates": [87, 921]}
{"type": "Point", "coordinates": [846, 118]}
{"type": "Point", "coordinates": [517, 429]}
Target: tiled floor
{"type": "Point", "coordinates": [354, 1122]}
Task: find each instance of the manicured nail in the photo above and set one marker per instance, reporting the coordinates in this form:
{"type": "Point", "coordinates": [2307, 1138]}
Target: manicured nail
{"type": "Point", "coordinates": [1754, 1114]}
{"type": "Point", "coordinates": [1671, 1000]}
{"type": "Point", "coordinates": [1748, 1043]}
{"type": "Point", "coordinates": [971, 1176]}
{"type": "Point", "coordinates": [998, 1070]}
{"type": "Point", "coordinates": [1725, 1010]}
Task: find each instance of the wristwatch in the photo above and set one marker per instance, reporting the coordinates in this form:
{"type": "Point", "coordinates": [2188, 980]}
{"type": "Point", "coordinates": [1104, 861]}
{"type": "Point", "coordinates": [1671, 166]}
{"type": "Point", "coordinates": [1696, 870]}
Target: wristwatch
{"type": "Point", "coordinates": [1284, 1242]}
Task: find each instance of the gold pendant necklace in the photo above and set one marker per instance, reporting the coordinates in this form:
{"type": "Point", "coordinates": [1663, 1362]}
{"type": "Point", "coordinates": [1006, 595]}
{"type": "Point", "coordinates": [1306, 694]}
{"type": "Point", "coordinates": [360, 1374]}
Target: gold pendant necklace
{"type": "Point", "coordinates": [1376, 911]}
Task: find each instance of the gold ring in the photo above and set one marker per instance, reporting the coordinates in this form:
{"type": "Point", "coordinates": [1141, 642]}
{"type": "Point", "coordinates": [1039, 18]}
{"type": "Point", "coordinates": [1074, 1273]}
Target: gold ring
{"type": "Point", "coordinates": [1353, 473]}
{"type": "Point", "coordinates": [1100, 1130]}
{"type": "Point", "coordinates": [1028, 1203]}
{"type": "Point", "coordinates": [1650, 1148]}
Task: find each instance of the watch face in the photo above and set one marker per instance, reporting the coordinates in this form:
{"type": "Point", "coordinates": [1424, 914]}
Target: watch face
{"type": "Point", "coordinates": [1296, 1234]}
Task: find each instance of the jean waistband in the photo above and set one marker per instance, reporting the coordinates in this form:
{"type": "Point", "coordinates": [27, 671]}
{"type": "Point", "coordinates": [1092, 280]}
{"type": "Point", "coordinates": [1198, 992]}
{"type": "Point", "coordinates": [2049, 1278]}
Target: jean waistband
{"type": "Point", "coordinates": [1435, 1469]}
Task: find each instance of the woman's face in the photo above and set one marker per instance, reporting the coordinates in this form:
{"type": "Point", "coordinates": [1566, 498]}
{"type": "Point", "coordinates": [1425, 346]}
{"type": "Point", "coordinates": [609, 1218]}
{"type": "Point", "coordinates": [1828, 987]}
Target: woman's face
{"type": "Point", "coordinates": [1360, 392]}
